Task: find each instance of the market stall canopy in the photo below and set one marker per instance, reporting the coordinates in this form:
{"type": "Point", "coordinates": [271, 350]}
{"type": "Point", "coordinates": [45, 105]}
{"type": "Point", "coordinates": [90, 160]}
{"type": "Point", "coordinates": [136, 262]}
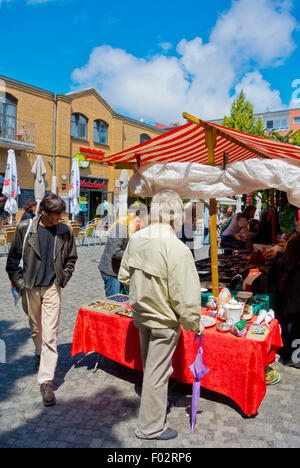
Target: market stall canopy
{"type": "Point", "coordinates": [199, 181]}
{"type": "Point", "coordinates": [187, 144]}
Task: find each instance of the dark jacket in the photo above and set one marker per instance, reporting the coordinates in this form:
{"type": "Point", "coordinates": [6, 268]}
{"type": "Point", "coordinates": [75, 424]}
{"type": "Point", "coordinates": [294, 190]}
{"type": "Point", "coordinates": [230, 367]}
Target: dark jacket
{"type": "Point", "coordinates": [27, 215]}
{"type": "Point", "coordinates": [288, 269]}
{"type": "Point", "coordinates": [65, 255]}
{"type": "Point", "coordinates": [114, 250]}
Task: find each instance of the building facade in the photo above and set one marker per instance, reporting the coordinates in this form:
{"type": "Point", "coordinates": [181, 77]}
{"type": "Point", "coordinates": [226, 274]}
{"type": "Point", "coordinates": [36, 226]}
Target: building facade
{"type": "Point", "coordinates": [281, 121]}
{"type": "Point", "coordinates": [58, 127]}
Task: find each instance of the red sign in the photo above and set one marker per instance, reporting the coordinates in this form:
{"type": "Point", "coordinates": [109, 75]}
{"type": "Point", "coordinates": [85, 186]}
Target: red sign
{"type": "Point", "coordinates": [93, 157]}
{"type": "Point", "coordinates": [92, 151]}
{"type": "Point", "coordinates": [93, 184]}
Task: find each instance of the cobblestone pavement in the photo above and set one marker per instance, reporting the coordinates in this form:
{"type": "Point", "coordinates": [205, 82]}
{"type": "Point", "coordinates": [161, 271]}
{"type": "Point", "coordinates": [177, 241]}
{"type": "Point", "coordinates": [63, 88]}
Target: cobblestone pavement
{"type": "Point", "coordinates": [99, 409]}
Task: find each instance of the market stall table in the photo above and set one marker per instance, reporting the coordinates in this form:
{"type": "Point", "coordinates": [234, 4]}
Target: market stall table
{"type": "Point", "coordinates": [264, 302]}
{"type": "Point", "coordinates": [237, 365]}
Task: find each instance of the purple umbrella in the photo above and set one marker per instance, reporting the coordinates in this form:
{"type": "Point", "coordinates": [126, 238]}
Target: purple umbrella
{"type": "Point", "coordinates": [199, 370]}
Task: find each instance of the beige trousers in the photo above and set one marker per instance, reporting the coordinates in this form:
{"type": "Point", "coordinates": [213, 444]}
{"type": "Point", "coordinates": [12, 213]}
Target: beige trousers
{"type": "Point", "coordinates": [157, 347]}
{"type": "Point", "coordinates": [43, 305]}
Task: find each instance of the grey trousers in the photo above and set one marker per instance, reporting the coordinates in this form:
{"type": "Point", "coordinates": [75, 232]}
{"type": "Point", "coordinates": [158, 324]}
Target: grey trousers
{"type": "Point", "coordinates": [157, 347]}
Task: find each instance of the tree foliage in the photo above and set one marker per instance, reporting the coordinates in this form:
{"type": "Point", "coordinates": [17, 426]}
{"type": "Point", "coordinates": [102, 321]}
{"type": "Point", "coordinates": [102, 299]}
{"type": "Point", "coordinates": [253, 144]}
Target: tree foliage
{"type": "Point", "coordinates": [242, 117]}
{"type": "Point", "coordinates": [296, 138]}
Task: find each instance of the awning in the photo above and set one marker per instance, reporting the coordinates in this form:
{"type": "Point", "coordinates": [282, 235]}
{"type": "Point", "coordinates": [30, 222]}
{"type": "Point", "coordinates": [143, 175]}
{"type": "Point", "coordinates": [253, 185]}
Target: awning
{"type": "Point", "coordinates": [187, 144]}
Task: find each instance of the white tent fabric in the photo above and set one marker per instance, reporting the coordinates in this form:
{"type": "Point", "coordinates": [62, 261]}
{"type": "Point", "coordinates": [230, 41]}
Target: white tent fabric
{"type": "Point", "coordinates": [74, 188]}
{"type": "Point", "coordinates": [39, 170]}
{"type": "Point", "coordinates": [193, 180]}
{"type": "Point", "coordinates": [11, 186]}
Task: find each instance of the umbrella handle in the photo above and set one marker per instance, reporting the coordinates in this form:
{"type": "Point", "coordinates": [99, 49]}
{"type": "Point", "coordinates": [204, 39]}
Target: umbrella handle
{"type": "Point", "coordinates": [197, 337]}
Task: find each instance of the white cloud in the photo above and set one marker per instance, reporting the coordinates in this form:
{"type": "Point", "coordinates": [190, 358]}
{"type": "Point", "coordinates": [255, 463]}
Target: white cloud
{"type": "Point", "coordinates": [202, 78]}
{"type": "Point", "coordinates": [258, 30]}
{"type": "Point", "coordinates": [258, 91]}
{"type": "Point", "coordinates": [166, 46]}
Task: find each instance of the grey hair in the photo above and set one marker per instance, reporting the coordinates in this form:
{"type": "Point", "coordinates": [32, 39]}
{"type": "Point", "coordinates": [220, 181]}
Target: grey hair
{"type": "Point", "coordinates": [167, 207]}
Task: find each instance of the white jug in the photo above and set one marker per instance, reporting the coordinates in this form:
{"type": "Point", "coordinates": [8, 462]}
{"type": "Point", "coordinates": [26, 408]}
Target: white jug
{"type": "Point", "coordinates": [233, 310]}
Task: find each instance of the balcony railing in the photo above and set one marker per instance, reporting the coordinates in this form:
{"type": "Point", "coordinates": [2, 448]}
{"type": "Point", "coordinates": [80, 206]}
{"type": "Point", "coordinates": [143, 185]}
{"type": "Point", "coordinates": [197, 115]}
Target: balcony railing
{"type": "Point", "coordinates": [17, 130]}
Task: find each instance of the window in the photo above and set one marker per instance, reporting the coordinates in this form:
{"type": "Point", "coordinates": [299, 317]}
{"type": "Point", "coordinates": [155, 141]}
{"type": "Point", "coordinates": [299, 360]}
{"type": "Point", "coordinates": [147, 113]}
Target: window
{"type": "Point", "coordinates": [79, 125]}
{"type": "Point", "coordinates": [8, 116]}
{"type": "Point", "coordinates": [144, 137]}
{"type": "Point", "coordinates": [280, 124]}
{"type": "Point", "coordinates": [277, 124]}
{"type": "Point", "coordinates": [100, 132]}
{"type": "Point", "coordinates": [26, 194]}
{"type": "Point", "coordinates": [296, 120]}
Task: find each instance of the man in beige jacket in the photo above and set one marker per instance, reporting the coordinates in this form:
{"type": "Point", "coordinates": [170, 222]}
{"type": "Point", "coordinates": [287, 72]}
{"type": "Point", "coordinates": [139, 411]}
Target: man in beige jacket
{"type": "Point", "coordinates": [164, 289]}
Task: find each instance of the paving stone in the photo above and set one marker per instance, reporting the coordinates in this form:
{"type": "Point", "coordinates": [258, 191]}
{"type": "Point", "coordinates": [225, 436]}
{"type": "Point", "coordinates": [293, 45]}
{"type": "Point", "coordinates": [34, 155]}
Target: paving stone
{"type": "Point", "coordinates": [100, 409]}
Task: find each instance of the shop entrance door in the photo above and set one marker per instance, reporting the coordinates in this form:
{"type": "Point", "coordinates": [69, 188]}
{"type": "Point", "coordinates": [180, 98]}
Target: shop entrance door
{"type": "Point", "coordinates": [93, 204]}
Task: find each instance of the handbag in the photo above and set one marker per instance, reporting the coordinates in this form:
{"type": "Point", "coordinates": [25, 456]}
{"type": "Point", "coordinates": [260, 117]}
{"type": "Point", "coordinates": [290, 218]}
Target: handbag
{"type": "Point", "coordinates": [17, 294]}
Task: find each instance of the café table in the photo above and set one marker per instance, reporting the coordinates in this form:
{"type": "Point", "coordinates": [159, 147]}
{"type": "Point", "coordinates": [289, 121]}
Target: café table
{"type": "Point", "coordinates": [236, 364]}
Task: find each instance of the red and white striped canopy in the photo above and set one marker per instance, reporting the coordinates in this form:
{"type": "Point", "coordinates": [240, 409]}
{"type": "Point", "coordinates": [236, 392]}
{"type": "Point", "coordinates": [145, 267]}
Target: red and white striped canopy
{"type": "Point", "coordinates": [187, 144]}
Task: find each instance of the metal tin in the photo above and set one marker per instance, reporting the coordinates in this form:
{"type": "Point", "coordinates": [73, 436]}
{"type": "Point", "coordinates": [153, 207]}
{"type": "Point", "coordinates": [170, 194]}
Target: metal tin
{"type": "Point", "coordinates": [224, 327]}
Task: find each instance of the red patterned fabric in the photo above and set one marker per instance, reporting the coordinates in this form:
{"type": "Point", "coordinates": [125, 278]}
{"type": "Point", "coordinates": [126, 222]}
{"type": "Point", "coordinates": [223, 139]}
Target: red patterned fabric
{"type": "Point", "coordinates": [187, 144]}
{"type": "Point", "coordinates": [236, 364]}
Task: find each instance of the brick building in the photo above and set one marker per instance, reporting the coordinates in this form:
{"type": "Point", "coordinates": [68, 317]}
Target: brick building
{"type": "Point", "coordinates": [34, 122]}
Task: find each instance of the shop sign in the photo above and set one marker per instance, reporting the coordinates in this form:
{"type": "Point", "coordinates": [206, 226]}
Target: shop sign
{"type": "Point", "coordinates": [92, 154]}
{"type": "Point", "coordinates": [83, 163]}
{"type": "Point", "coordinates": [98, 184]}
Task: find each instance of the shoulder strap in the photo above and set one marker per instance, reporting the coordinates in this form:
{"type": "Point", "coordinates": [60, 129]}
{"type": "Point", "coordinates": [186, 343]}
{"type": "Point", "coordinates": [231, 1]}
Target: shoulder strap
{"type": "Point", "coordinates": [24, 241]}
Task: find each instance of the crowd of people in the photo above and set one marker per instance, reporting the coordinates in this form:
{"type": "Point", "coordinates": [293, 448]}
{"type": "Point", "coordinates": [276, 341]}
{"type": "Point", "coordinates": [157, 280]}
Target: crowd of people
{"type": "Point", "coordinates": [144, 256]}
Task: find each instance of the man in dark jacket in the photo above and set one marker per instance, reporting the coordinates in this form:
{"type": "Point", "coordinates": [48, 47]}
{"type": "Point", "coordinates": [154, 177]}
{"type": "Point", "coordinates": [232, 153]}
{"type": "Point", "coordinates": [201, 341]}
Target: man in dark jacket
{"type": "Point", "coordinates": [48, 252]}
{"type": "Point", "coordinates": [287, 266]}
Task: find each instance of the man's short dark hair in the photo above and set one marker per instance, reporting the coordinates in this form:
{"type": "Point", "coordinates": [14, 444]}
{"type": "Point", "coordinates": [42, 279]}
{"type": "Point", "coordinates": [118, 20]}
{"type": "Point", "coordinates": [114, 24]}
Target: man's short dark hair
{"type": "Point", "coordinates": [51, 203]}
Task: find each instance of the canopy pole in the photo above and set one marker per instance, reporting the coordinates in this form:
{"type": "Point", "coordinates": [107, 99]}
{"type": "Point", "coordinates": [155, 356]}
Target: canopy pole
{"type": "Point", "coordinates": [273, 216]}
{"type": "Point", "coordinates": [210, 141]}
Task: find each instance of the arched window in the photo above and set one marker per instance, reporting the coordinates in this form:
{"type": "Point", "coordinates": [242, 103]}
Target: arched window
{"type": "Point", "coordinates": [144, 137]}
{"type": "Point", "coordinates": [79, 126]}
{"type": "Point", "coordinates": [100, 132]}
{"type": "Point", "coordinates": [8, 116]}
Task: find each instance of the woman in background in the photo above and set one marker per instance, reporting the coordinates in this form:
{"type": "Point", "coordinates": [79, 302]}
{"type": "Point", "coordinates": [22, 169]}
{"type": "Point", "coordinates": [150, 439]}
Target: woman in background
{"type": "Point", "coordinates": [30, 209]}
{"type": "Point", "coordinates": [238, 226]}
{"type": "Point", "coordinates": [119, 235]}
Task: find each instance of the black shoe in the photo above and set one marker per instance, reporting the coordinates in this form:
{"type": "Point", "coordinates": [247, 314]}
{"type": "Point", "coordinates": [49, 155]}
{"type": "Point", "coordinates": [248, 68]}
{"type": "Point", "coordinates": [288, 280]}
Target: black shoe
{"type": "Point", "coordinates": [167, 434]}
{"type": "Point", "coordinates": [289, 363]}
{"type": "Point", "coordinates": [37, 363]}
{"type": "Point", "coordinates": [48, 394]}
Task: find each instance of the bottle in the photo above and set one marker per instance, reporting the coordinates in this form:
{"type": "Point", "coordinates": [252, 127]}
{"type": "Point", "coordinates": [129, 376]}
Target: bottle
{"type": "Point", "coordinates": [212, 306]}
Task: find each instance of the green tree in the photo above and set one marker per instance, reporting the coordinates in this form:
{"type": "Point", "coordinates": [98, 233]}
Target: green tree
{"type": "Point", "coordinates": [296, 138]}
{"type": "Point", "coordinates": [282, 138]}
{"type": "Point", "coordinates": [242, 117]}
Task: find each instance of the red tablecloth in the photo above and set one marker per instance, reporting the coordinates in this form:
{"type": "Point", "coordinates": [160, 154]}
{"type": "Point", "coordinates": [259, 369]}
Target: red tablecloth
{"type": "Point", "coordinates": [236, 364]}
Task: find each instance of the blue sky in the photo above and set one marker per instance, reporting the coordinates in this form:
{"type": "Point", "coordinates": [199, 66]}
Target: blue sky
{"type": "Point", "coordinates": [157, 59]}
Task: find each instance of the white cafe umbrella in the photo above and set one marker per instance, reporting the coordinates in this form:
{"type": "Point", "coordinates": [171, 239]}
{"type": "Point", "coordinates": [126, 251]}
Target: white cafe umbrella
{"type": "Point", "coordinates": [11, 186]}
{"type": "Point", "coordinates": [123, 194]}
{"type": "Point", "coordinates": [239, 204]}
{"type": "Point", "coordinates": [74, 188]}
{"type": "Point", "coordinates": [258, 206]}
{"type": "Point", "coordinates": [39, 170]}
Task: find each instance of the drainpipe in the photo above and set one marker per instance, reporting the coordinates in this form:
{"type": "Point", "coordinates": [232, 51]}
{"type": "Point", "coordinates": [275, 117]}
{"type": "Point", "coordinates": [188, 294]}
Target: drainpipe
{"type": "Point", "coordinates": [54, 179]}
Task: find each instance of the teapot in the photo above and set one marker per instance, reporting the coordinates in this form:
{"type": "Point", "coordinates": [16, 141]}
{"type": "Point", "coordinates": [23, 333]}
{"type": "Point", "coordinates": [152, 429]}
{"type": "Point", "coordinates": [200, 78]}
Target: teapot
{"type": "Point", "coordinates": [233, 311]}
